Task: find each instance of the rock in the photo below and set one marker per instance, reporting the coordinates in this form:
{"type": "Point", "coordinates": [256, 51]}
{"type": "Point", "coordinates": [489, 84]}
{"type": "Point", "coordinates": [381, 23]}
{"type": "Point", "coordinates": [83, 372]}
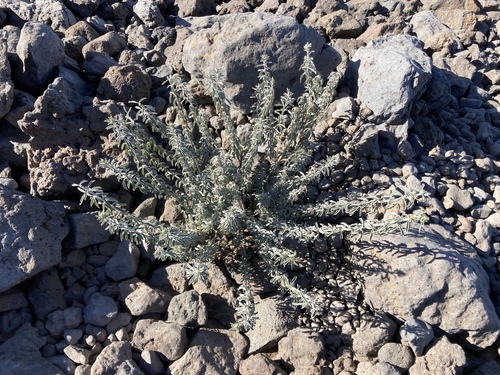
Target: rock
{"type": "Point", "coordinates": [302, 348]}
{"type": "Point", "coordinates": [259, 364]}
{"type": "Point", "coordinates": [211, 352]}
{"type": "Point", "coordinates": [442, 357]}
{"type": "Point", "coordinates": [65, 364]}
{"type": "Point", "coordinates": [83, 8]}
{"type": "Point", "coordinates": [218, 293]}
{"type": "Point", "coordinates": [99, 310]}
{"type": "Point", "coordinates": [40, 52]}
{"type": "Point", "coordinates": [125, 83]}
{"type": "Point", "coordinates": [13, 299]}
{"type": "Point", "coordinates": [149, 13]}
{"type": "Point", "coordinates": [140, 298]}
{"type": "Point", "coordinates": [171, 278]}
{"type": "Point", "coordinates": [123, 263]}
{"type": "Point", "coordinates": [188, 310]}
{"type": "Point", "coordinates": [194, 8]}
{"type": "Point", "coordinates": [398, 355]}
{"type": "Point", "coordinates": [434, 281]}
{"type": "Point", "coordinates": [457, 199]}
{"type": "Point", "coordinates": [85, 231]}
{"type": "Point", "coordinates": [409, 70]}
{"type": "Point", "coordinates": [275, 318]}
{"type": "Point", "coordinates": [55, 14]}
{"type": "Point", "coordinates": [33, 230]}
{"type": "Point", "coordinates": [168, 340]}
{"type": "Point", "coordinates": [380, 368]}
{"type": "Point", "coordinates": [110, 43]}
{"type": "Point", "coordinates": [434, 34]}
{"type": "Point", "coordinates": [60, 320]}
{"type": "Point", "coordinates": [374, 332]}
{"type": "Point", "coordinates": [416, 334]}
{"type": "Point", "coordinates": [340, 24]}
{"type": "Point", "coordinates": [6, 84]}
{"type": "Point", "coordinates": [20, 354]}
{"type": "Point", "coordinates": [150, 364]}
{"type": "Point", "coordinates": [365, 142]}
{"type": "Point", "coordinates": [116, 358]}
{"type": "Point", "coordinates": [48, 294]}
{"type": "Point", "coordinates": [77, 354]}
{"type": "Point", "coordinates": [235, 44]}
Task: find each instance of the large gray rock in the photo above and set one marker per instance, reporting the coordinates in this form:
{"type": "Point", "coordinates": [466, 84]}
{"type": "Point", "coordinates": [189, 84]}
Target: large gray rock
{"type": "Point", "coordinates": [430, 275]}
{"type": "Point", "coordinates": [40, 51]}
{"type": "Point", "coordinates": [405, 69]}
{"type": "Point", "coordinates": [234, 45]}
{"type": "Point", "coordinates": [55, 14]}
{"type": "Point", "coordinates": [32, 233]}
{"type": "Point", "coordinates": [211, 352]}
{"type": "Point", "coordinates": [434, 34]}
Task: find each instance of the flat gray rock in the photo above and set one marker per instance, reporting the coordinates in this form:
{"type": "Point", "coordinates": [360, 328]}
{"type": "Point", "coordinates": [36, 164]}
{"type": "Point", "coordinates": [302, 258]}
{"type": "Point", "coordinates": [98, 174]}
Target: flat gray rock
{"type": "Point", "coordinates": [32, 233]}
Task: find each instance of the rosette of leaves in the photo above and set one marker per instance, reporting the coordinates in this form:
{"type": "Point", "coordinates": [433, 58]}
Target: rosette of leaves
{"type": "Point", "coordinates": [236, 196]}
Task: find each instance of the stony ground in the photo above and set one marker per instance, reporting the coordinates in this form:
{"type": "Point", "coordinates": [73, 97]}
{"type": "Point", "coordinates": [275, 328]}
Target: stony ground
{"type": "Point", "coordinates": [418, 108]}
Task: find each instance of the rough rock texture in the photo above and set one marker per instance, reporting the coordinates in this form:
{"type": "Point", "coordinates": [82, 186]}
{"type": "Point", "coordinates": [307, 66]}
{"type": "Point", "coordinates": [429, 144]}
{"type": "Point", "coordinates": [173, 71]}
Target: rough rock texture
{"type": "Point", "coordinates": [407, 68]}
{"type": "Point", "coordinates": [275, 318]}
{"type": "Point", "coordinates": [40, 51]}
{"type": "Point", "coordinates": [442, 357]}
{"type": "Point", "coordinates": [33, 230]}
{"type": "Point", "coordinates": [211, 352]}
{"type": "Point", "coordinates": [301, 348]}
{"type": "Point", "coordinates": [116, 358]}
{"type": "Point", "coordinates": [167, 339]}
{"type": "Point", "coordinates": [253, 35]}
{"type": "Point", "coordinates": [448, 281]}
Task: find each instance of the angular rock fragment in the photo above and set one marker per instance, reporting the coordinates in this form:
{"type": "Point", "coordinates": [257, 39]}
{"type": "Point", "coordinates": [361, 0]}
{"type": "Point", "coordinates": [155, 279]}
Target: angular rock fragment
{"type": "Point", "coordinates": [32, 234]}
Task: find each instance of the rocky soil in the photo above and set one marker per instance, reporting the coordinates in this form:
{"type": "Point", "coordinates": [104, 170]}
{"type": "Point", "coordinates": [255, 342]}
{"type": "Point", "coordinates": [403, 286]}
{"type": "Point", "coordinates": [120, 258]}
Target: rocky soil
{"type": "Point", "coordinates": [418, 108]}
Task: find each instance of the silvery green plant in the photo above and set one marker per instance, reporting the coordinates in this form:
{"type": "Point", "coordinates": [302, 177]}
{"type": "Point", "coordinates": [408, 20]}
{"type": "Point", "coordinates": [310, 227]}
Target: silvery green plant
{"type": "Point", "coordinates": [237, 199]}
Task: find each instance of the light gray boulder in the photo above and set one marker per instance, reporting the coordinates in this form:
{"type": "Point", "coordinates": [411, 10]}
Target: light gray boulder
{"type": "Point", "coordinates": [392, 72]}
{"type": "Point", "coordinates": [110, 43]}
{"type": "Point", "coordinates": [116, 358]}
{"type": "Point", "coordinates": [124, 262]}
{"type": "Point", "coordinates": [32, 234]}
{"type": "Point", "coordinates": [234, 45]}
{"type": "Point", "coordinates": [398, 355]}
{"type": "Point", "coordinates": [380, 368]}
{"type": "Point", "coordinates": [40, 51]}
{"type": "Point", "coordinates": [211, 351]}
{"type": "Point", "coordinates": [168, 340]}
{"type": "Point", "coordinates": [430, 275]}
{"type": "Point", "coordinates": [442, 357]}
